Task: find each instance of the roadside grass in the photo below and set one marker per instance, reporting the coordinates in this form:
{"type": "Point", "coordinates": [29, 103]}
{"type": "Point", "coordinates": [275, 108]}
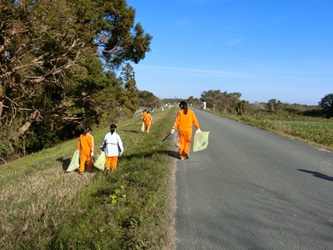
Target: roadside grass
{"type": "Point", "coordinates": [313, 130]}
{"type": "Point", "coordinates": [43, 207]}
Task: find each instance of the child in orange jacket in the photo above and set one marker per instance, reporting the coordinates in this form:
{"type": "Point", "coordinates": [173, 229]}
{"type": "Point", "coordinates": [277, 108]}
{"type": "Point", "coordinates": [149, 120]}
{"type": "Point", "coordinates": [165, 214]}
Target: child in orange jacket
{"type": "Point", "coordinates": [147, 119]}
{"type": "Point", "coordinates": [185, 119]}
{"type": "Point", "coordinates": [86, 147]}
{"type": "Point", "coordinates": [144, 113]}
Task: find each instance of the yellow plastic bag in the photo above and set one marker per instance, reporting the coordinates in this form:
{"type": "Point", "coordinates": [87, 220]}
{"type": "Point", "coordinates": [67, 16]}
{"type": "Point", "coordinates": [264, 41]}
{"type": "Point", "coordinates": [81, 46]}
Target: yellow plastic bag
{"type": "Point", "coordinates": [200, 140]}
{"type": "Point", "coordinates": [75, 162]}
{"type": "Point", "coordinates": [143, 127]}
{"type": "Point", "coordinates": [100, 161]}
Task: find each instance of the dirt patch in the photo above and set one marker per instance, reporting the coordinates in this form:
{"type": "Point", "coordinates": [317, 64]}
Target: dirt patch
{"type": "Point", "coordinates": [171, 234]}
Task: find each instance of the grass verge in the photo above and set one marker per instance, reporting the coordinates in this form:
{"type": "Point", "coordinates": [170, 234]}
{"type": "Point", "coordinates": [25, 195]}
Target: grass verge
{"type": "Point", "coordinates": [43, 207]}
{"type": "Point", "coordinates": [316, 131]}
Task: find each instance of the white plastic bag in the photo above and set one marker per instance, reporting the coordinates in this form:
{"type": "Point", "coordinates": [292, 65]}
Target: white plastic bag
{"type": "Point", "coordinates": [75, 162]}
{"type": "Point", "coordinates": [175, 138]}
{"type": "Point", "coordinates": [200, 140]}
{"type": "Point", "coordinates": [100, 161]}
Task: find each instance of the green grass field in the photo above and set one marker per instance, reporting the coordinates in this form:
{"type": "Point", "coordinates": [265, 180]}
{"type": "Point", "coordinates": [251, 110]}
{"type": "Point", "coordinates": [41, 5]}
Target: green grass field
{"type": "Point", "coordinates": [43, 207]}
{"type": "Point", "coordinates": [319, 133]}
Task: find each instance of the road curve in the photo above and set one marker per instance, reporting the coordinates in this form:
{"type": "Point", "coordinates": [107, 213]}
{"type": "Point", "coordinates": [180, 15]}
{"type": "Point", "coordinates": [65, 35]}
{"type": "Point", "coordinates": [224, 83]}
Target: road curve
{"type": "Point", "coordinates": [252, 189]}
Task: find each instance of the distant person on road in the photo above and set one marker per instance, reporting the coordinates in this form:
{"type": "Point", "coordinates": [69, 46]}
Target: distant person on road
{"type": "Point", "coordinates": [113, 147]}
{"type": "Point", "coordinates": [86, 147]}
{"type": "Point", "coordinates": [185, 119]}
{"type": "Point", "coordinates": [147, 119]}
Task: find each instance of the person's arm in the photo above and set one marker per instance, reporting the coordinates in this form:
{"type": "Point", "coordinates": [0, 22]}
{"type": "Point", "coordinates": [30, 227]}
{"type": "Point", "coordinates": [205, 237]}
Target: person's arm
{"type": "Point", "coordinates": [175, 124]}
{"type": "Point", "coordinates": [120, 145]}
{"type": "Point", "coordinates": [195, 121]}
{"type": "Point", "coordinates": [92, 145]}
{"type": "Point", "coordinates": [79, 144]}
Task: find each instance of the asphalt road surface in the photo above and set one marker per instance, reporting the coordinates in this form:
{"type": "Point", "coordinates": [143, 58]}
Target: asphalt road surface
{"type": "Point", "coordinates": [252, 189]}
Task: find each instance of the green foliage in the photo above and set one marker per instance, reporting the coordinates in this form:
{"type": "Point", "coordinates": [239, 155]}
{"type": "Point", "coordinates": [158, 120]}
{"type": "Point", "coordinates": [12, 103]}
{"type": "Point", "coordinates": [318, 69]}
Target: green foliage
{"type": "Point", "coordinates": [51, 68]}
{"type": "Point", "coordinates": [148, 99]}
{"type": "Point", "coordinates": [326, 104]}
{"type": "Point", "coordinates": [7, 146]}
{"type": "Point", "coordinates": [130, 97]}
{"type": "Point", "coordinates": [223, 102]}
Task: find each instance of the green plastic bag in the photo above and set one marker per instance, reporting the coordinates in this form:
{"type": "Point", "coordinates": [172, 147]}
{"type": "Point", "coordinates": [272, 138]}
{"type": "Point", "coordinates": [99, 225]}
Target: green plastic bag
{"type": "Point", "coordinates": [75, 162]}
{"type": "Point", "coordinates": [200, 140]}
{"type": "Point", "coordinates": [100, 161]}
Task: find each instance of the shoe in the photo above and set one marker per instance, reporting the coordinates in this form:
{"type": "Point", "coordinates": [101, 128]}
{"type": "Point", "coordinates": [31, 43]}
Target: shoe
{"type": "Point", "coordinates": [182, 158]}
{"type": "Point", "coordinates": [187, 156]}
{"type": "Point", "coordinates": [81, 173]}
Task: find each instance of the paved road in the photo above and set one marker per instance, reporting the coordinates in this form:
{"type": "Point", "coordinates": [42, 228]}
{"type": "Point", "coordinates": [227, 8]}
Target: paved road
{"type": "Point", "coordinates": [252, 189]}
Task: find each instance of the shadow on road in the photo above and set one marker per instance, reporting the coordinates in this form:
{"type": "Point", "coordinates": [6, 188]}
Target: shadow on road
{"type": "Point", "coordinates": [317, 174]}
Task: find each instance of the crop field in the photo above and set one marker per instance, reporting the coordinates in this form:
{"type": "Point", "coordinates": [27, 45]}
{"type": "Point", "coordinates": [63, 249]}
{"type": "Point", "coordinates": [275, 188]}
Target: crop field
{"type": "Point", "coordinates": [318, 132]}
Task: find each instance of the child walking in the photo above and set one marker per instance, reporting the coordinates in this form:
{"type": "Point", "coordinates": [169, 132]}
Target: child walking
{"type": "Point", "coordinates": [113, 147]}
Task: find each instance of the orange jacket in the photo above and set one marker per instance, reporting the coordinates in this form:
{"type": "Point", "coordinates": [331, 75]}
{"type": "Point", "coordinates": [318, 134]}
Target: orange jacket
{"type": "Point", "coordinates": [86, 143]}
{"type": "Point", "coordinates": [185, 122]}
{"type": "Point", "coordinates": [147, 119]}
{"type": "Point", "coordinates": [143, 115]}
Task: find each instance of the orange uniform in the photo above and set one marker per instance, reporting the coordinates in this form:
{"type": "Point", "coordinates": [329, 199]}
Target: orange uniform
{"type": "Point", "coordinates": [86, 146]}
{"type": "Point", "coordinates": [147, 119]}
{"type": "Point", "coordinates": [184, 123]}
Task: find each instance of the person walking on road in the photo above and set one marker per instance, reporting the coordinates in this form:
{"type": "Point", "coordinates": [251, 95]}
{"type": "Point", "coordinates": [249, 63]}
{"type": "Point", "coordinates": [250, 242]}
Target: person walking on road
{"type": "Point", "coordinates": [185, 119]}
{"type": "Point", "coordinates": [86, 147]}
{"type": "Point", "coordinates": [113, 147]}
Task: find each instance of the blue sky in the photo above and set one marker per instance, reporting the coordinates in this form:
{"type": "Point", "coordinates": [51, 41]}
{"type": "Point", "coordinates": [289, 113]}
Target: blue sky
{"type": "Point", "coordinates": [264, 49]}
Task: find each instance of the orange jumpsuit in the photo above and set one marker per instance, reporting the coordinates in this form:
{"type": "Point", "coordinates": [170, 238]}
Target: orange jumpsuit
{"type": "Point", "coordinates": [184, 125]}
{"type": "Point", "coordinates": [143, 118]}
{"type": "Point", "coordinates": [86, 146]}
{"type": "Point", "coordinates": [147, 119]}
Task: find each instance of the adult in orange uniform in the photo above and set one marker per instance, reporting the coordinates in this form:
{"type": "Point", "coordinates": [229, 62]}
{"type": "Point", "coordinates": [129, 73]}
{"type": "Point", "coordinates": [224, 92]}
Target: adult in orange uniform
{"type": "Point", "coordinates": [184, 121]}
{"type": "Point", "coordinates": [147, 119]}
{"type": "Point", "coordinates": [86, 147]}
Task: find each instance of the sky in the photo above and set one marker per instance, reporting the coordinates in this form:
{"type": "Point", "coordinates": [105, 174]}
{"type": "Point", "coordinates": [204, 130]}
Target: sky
{"type": "Point", "coordinates": [263, 49]}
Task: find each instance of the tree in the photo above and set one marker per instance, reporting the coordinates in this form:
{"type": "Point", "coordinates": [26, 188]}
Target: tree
{"type": "Point", "coordinates": [48, 57]}
{"type": "Point", "coordinates": [271, 105]}
{"type": "Point", "coordinates": [326, 105]}
{"type": "Point", "coordinates": [148, 99]}
{"type": "Point", "coordinates": [131, 93]}
{"type": "Point", "coordinates": [224, 102]}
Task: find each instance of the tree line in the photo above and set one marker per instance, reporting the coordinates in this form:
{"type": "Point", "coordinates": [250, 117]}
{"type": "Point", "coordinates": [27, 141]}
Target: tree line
{"type": "Point", "coordinates": [231, 103]}
{"type": "Point", "coordinates": [59, 68]}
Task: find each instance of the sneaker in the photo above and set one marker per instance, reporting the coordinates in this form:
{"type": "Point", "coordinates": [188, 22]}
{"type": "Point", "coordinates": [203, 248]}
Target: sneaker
{"type": "Point", "coordinates": [187, 156]}
{"type": "Point", "coordinates": [81, 173]}
{"type": "Point", "coordinates": [181, 158]}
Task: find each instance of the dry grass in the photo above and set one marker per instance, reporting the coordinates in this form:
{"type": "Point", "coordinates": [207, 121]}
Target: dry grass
{"type": "Point", "coordinates": [39, 201]}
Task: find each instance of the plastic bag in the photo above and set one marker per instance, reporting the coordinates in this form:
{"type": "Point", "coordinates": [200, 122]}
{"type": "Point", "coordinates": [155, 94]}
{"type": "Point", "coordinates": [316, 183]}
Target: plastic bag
{"type": "Point", "coordinates": [200, 140]}
{"type": "Point", "coordinates": [100, 161]}
{"type": "Point", "coordinates": [175, 138]}
{"type": "Point", "coordinates": [75, 162]}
